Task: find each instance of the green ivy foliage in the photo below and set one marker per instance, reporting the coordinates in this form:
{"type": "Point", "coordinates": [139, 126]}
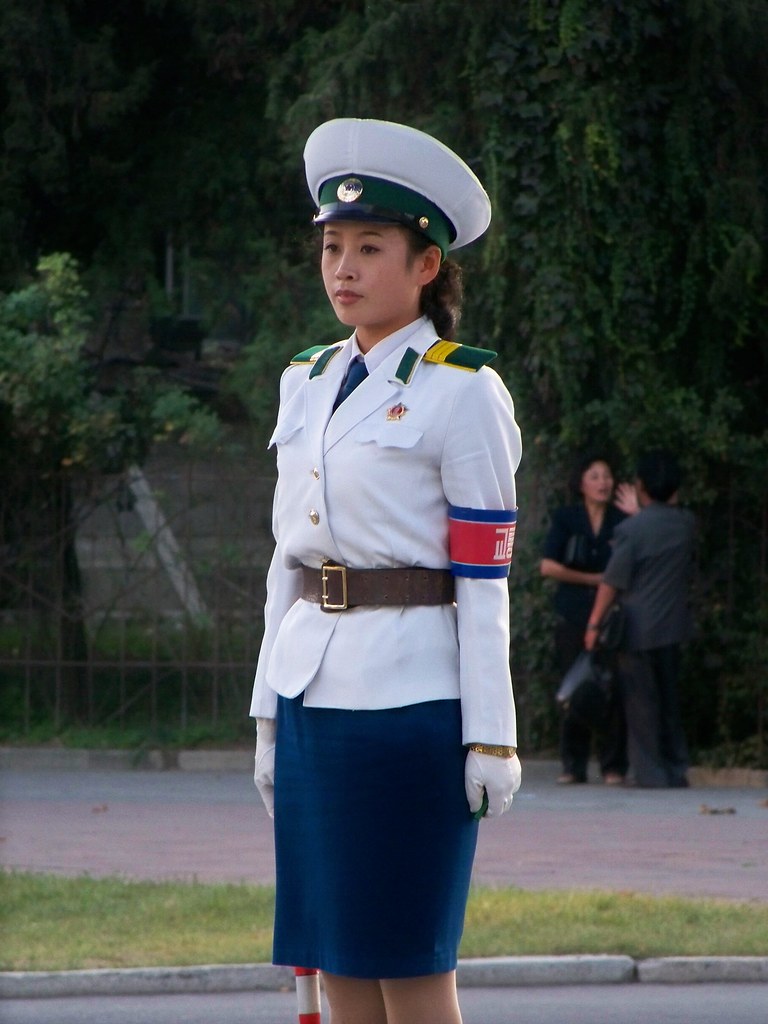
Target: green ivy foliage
{"type": "Point", "coordinates": [59, 431]}
{"type": "Point", "coordinates": [623, 280]}
{"type": "Point", "coordinates": [629, 197]}
{"type": "Point", "coordinates": [55, 418]}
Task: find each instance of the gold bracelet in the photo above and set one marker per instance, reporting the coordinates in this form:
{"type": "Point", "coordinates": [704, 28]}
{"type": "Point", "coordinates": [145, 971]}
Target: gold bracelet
{"type": "Point", "coordinates": [492, 748]}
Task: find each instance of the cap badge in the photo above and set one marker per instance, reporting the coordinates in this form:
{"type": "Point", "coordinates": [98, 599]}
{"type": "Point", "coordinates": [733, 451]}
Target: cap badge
{"type": "Point", "coordinates": [396, 412]}
{"type": "Point", "coordinates": [423, 223]}
{"type": "Point", "coordinates": [350, 190]}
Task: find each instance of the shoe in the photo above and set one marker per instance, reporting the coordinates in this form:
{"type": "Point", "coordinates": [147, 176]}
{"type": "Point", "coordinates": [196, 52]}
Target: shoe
{"type": "Point", "coordinates": [567, 779]}
{"type": "Point", "coordinates": [613, 779]}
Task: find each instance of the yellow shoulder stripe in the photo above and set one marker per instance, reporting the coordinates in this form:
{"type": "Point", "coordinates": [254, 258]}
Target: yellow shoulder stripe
{"type": "Point", "coordinates": [463, 357]}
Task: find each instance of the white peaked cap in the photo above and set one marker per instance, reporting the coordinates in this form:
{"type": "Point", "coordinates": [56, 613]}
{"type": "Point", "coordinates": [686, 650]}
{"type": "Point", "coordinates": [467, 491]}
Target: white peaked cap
{"type": "Point", "coordinates": [378, 170]}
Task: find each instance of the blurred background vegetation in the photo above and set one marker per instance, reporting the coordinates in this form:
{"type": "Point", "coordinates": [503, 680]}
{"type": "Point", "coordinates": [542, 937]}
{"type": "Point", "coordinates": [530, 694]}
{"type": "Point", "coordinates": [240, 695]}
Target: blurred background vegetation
{"type": "Point", "coordinates": [157, 272]}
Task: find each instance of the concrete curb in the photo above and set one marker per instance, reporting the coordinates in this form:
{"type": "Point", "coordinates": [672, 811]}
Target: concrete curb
{"type": "Point", "coordinates": [687, 969]}
{"type": "Point", "coordinates": [494, 972]}
{"type": "Point", "coordinates": [738, 778]}
{"type": "Point", "coordinates": [145, 981]}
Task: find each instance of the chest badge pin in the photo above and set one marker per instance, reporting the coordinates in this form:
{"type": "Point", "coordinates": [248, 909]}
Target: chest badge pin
{"type": "Point", "coordinates": [396, 412]}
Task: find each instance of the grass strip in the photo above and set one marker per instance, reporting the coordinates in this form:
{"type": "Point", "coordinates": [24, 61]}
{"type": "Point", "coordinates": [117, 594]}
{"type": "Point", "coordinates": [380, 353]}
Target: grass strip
{"type": "Point", "coordinates": [56, 923]}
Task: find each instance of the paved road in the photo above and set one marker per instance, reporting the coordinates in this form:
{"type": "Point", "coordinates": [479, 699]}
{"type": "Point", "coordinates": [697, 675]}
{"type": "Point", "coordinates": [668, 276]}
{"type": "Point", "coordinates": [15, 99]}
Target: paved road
{"type": "Point", "coordinates": [210, 825]}
{"type": "Point", "coordinates": [619, 1004]}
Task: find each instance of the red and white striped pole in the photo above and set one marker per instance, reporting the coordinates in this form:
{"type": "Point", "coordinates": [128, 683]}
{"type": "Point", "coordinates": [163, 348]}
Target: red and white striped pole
{"type": "Point", "coordinates": [308, 995]}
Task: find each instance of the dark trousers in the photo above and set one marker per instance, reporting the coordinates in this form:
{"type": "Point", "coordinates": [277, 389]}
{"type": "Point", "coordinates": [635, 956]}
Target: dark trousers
{"type": "Point", "coordinates": [658, 752]}
{"type": "Point", "coordinates": [575, 735]}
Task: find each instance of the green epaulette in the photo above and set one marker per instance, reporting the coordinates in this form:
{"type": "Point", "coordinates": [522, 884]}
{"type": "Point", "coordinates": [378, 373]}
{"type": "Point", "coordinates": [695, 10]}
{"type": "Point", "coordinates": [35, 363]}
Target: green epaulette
{"type": "Point", "coordinates": [464, 357]}
{"type": "Point", "coordinates": [309, 355]}
{"type": "Point", "coordinates": [449, 353]}
{"type": "Point", "coordinates": [318, 355]}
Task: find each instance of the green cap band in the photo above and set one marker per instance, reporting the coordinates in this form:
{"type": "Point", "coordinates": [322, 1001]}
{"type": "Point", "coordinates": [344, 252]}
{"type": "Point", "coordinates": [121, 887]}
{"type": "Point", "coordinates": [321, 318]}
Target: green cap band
{"type": "Point", "coordinates": [360, 197]}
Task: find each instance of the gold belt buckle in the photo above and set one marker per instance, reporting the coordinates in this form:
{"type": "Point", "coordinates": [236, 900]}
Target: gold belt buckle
{"type": "Point", "coordinates": [325, 604]}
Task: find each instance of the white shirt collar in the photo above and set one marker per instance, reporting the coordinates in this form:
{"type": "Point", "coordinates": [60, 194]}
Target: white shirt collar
{"type": "Point", "coordinates": [376, 355]}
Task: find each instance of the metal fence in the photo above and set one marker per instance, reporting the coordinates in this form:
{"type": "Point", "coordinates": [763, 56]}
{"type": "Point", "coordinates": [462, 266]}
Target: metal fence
{"type": "Point", "coordinates": [134, 599]}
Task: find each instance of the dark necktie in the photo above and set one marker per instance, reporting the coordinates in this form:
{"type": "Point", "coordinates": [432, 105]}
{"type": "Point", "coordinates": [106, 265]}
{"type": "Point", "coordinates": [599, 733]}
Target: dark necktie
{"type": "Point", "coordinates": [356, 373]}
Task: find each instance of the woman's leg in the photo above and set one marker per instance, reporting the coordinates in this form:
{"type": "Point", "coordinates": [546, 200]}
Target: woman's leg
{"type": "Point", "coordinates": [427, 1000]}
{"type": "Point", "coordinates": [354, 1000]}
{"type": "Point", "coordinates": [431, 999]}
{"type": "Point", "coordinates": [575, 737]}
{"type": "Point", "coordinates": [613, 738]}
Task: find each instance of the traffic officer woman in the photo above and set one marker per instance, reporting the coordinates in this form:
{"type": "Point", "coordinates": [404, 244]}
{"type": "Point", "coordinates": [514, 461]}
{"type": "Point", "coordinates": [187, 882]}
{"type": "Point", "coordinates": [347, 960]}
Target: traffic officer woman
{"type": "Point", "coordinates": [382, 696]}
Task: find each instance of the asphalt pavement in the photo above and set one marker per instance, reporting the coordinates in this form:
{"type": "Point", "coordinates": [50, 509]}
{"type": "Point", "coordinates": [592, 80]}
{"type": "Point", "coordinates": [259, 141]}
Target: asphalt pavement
{"type": "Point", "coordinates": [75, 813]}
{"type": "Point", "coordinates": [565, 1004]}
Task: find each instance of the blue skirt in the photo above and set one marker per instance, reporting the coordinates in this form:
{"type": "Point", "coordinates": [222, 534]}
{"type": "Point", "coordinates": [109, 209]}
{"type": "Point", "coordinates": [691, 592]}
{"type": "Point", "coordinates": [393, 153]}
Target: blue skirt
{"type": "Point", "coordinates": [374, 839]}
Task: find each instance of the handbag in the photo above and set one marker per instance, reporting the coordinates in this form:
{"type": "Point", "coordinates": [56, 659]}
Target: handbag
{"type": "Point", "coordinates": [612, 625]}
{"type": "Point", "coordinates": [586, 690]}
{"type": "Point", "coordinates": [578, 674]}
{"type": "Point", "coordinates": [576, 555]}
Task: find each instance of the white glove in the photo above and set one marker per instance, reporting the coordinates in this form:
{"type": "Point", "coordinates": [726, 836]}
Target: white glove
{"type": "Point", "coordinates": [500, 778]}
{"type": "Point", "coordinates": [264, 771]}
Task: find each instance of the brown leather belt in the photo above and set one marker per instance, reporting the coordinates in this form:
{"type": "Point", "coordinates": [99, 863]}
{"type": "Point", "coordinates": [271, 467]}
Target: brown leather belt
{"type": "Point", "coordinates": [336, 588]}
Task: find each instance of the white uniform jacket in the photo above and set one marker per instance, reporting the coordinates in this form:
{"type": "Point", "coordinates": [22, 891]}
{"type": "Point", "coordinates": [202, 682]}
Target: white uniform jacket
{"type": "Point", "coordinates": [369, 487]}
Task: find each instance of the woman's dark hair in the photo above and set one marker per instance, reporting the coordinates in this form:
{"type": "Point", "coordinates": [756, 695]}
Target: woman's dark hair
{"type": "Point", "coordinates": [581, 465]}
{"type": "Point", "coordinates": [442, 298]}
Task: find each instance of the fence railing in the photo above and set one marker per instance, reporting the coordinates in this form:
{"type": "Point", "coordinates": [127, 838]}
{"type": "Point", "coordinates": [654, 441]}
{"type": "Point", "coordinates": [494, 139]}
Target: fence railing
{"type": "Point", "coordinates": [136, 597]}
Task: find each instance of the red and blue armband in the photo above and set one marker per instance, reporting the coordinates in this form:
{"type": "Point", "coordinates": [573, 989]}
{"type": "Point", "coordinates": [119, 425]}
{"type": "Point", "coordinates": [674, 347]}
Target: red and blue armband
{"type": "Point", "coordinates": [480, 541]}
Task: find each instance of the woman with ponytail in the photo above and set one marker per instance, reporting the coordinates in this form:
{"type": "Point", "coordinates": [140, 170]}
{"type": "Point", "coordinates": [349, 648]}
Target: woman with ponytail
{"type": "Point", "coordinates": [383, 700]}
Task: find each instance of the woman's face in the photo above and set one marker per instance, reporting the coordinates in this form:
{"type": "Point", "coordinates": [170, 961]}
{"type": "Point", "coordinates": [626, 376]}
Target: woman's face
{"type": "Point", "coordinates": [597, 482]}
{"type": "Point", "coordinates": [373, 282]}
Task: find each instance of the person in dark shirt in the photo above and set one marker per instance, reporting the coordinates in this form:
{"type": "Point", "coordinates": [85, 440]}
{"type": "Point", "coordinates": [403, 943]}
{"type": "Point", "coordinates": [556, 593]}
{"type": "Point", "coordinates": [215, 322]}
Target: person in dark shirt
{"type": "Point", "coordinates": [575, 553]}
{"type": "Point", "coordinates": [650, 571]}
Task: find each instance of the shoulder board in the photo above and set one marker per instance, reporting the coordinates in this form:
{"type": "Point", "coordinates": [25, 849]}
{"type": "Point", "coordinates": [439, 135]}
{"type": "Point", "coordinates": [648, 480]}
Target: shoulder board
{"type": "Point", "coordinates": [309, 355]}
{"type": "Point", "coordinates": [463, 357]}
{"type": "Point", "coordinates": [318, 355]}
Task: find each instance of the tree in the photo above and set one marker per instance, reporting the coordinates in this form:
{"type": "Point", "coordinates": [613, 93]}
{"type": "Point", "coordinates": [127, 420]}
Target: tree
{"type": "Point", "coordinates": [623, 280]}
{"type": "Point", "coordinates": [128, 122]}
{"type": "Point", "coordinates": [59, 431]}
{"type": "Point", "coordinates": [624, 277]}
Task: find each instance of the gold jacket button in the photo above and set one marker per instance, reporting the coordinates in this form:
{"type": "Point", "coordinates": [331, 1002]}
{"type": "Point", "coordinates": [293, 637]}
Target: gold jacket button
{"type": "Point", "coordinates": [314, 516]}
